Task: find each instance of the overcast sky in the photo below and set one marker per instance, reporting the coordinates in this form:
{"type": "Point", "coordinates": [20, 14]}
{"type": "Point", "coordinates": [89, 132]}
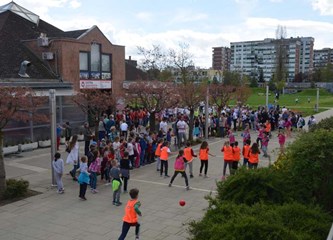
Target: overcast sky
{"type": "Point", "coordinates": [202, 24]}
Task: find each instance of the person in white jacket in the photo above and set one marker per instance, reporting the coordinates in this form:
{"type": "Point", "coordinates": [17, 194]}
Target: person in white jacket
{"type": "Point", "coordinates": [58, 168]}
{"type": "Point", "coordinates": [73, 156]}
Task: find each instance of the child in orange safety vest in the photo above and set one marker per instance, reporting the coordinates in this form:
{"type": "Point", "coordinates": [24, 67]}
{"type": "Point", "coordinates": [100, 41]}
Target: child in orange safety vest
{"type": "Point", "coordinates": [158, 154]}
{"type": "Point", "coordinates": [228, 158]}
{"type": "Point", "coordinates": [165, 151]}
{"type": "Point", "coordinates": [254, 156]}
{"type": "Point", "coordinates": [131, 215]}
{"type": "Point", "coordinates": [236, 153]}
{"type": "Point", "coordinates": [189, 154]}
{"type": "Point", "coordinates": [203, 155]}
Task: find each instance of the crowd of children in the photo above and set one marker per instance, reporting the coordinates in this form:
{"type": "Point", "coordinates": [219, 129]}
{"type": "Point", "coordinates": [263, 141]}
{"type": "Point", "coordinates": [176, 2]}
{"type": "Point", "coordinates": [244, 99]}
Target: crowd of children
{"type": "Point", "coordinates": [113, 159]}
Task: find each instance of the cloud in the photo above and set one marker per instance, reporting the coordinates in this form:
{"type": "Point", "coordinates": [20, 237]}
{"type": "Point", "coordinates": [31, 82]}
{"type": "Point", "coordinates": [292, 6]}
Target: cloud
{"type": "Point", "coordinates": [42, 8]}
{"type": "Point", "coordinates": [325, 7]}
{"type": "Point", "coordinates": [75, 4]}
{"type": "Point", "coordinates": [186, 16]}
{"type": "Point", "coordinates": [145, 16]}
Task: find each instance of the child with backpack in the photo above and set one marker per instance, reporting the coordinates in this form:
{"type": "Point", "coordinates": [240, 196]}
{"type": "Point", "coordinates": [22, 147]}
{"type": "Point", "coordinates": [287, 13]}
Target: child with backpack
{"type": "Point", "coordinates": [116, 183]}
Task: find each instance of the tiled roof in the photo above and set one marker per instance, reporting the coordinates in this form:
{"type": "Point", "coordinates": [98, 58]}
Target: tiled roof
{"type": "Point", "coordinates": [134, 74]}
{"type": "Point", "coordinates": [13, 30]}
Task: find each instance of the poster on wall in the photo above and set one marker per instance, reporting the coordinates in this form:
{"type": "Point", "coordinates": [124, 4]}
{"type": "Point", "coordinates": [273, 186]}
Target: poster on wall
{"type": "Point", "coordinates": [95, 84]}
{"type": "Point", "coordinates": [106, 75]}
{"type": "Point", "coordinates": [84, 75]}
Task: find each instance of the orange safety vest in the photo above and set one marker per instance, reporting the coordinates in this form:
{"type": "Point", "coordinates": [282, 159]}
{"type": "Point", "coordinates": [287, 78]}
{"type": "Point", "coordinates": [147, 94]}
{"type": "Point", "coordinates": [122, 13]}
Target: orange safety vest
{"type": "Point", "coordinates": [158, 150]}
{"type": "Point", "coordinates": [253, 157]}
{"type": "Point", "coordinates": [236, 153]}
{"type": "Point", "coordinates": [164, 154]}
{"type": "Point", "coordinates": [188, 154]}
{"type": "Point", "coordinates": [228, 154]}
{"type": "Point", "coordinates": [246, 150]}
{"type": "Point", "coordinates": [268, 127]}
{"type": "Point", "coordinates": [203, 154]}
{"type": "Point", "coordinates": [130, 214]}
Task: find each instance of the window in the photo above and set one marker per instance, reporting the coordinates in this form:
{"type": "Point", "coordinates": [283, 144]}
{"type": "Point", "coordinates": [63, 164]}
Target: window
{"type": "Point", "coordinates": [106, 63]}
{"type": "Point", "coordinates": [106, 66]}
{"type": "Point", "coordinates": [84, 61]}
{"type": "Point", "coordinates": [94, 64]}
{"type": "Point", "coordinates": [95, 57]}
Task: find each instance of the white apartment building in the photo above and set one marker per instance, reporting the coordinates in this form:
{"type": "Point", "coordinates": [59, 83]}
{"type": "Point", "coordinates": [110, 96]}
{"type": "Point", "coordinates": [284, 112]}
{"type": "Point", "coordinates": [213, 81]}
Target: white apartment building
{"type": "Point", "coordinates": [322, 57]}
{"type": "Point", "coordinates": [252, 57]}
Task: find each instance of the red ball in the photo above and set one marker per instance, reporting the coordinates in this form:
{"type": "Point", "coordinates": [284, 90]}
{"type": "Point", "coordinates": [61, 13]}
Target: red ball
{"type": "Point", "coordinates": [182, 203]}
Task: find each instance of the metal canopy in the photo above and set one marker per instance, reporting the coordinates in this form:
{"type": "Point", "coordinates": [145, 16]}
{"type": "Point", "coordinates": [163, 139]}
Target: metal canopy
{"type": "Point", "coordinates": [21, 11]}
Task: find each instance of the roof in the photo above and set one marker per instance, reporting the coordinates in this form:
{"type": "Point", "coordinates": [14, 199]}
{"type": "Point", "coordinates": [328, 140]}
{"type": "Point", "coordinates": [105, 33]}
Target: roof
{"type": "Point", "coordinates": [134, 74]}
{"type": "Point", "coordinates": [14, 29]}
{"type": "Point", "coordinates": [21, 11]}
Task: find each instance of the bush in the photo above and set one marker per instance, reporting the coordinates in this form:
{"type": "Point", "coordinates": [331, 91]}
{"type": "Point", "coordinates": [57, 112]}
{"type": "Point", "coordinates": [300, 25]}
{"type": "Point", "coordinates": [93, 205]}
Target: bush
{"type": "Point", "coordinates": [16, 188]}
{"type": "Point", "coordinates": [252, 186]}
{"type": "Point", "coordinates": [261, 222]}
{"type": "Point", "coordinates": [326, 123]}
{"type": "Point", "coordinates": [309, 166]}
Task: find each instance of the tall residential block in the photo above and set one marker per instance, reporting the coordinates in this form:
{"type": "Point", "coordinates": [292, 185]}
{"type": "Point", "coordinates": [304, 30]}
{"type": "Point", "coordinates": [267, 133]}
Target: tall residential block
{"type": "Point", "coordinates": [322, 57]}
{"type": "Point", "coordinates": [254, 58]}
{"type": "Point", "coordinates": [221, 58]}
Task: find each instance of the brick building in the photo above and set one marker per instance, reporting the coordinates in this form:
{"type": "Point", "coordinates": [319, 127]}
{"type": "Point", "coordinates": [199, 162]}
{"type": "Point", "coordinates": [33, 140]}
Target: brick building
{"type": "Point", "coordinates": [64, 60]}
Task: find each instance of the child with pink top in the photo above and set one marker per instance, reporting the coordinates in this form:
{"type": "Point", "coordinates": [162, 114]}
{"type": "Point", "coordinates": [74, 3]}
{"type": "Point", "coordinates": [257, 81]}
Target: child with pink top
{"type": "Point", "coordinates": [260, 134]}
{"type": "Point", "coordinates": [180, 168]}
{"type": "Point", "coordinates": [282, 140]}
{"type": "Point", "coordinates": [231, 136]}
{"type": "Point", "coordinates": [94, 169]}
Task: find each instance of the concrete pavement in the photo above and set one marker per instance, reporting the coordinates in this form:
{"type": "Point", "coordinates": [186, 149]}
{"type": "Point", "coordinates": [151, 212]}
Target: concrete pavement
{"type": "Point", "coordinates": [64, 217]}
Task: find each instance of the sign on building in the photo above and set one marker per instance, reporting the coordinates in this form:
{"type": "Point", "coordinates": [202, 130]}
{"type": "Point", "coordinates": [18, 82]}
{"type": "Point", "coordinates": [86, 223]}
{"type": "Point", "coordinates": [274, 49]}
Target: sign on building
{"type": "Point", "coordinates": [95, 84]}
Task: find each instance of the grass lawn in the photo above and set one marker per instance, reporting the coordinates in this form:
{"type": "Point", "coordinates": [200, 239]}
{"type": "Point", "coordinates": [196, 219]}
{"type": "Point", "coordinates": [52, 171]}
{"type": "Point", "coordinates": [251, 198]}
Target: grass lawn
{"type": "Point", "coordinates": [325, 100]}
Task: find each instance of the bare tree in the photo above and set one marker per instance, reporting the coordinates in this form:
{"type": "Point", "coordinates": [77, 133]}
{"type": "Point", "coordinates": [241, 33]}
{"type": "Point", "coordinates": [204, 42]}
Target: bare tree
{"type": "Point", "coordinates": [221, 94]}
{"type": "Point", "coordinates": [154, 96]}
{"type": "Point", "coordinates": [94, 102]}
{"type": "Point", "coordinates": [191, 89]}
{"type": "Point", "coordinates": [16, 104]}
{"type": "Point", "coordinates": [154, 62]}
{"type": "Point", "coordinates": [242, 94]}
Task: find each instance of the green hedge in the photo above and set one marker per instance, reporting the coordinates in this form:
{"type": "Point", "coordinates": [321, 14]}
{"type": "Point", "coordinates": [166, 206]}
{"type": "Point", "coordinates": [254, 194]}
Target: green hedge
{"type": "Point", "coordinates": [309, 165]}
{"type": "Point", "coordinates": [15, 188]}
{"type": "Point", "coordinates": [326, 123]}
{"type": "Point", "coordinates": [266, 185]}
{"type": "Point", "coordinates": [231, 221]}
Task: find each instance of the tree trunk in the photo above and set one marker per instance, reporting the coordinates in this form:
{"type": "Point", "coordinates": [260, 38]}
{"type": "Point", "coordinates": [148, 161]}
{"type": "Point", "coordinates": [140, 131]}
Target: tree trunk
{"type": "Point", "coordinates": [2, 167]}
{"type": "Point", "coordinates": [191, 125]}
{"type": "Point", "coordinates": [152, 122]}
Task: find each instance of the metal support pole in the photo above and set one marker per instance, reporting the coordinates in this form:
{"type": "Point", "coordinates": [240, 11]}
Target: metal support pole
{"type": "Point", "coordinates": [267, 91]}
{"type": "Point", "coordinates": [53, 118]}
{"type": "Point", "coordinates": [60, 120]}
{"type": "Point", "coordinates": [206, 113]}
{"type": "Point", "coordinates": [317, 104]}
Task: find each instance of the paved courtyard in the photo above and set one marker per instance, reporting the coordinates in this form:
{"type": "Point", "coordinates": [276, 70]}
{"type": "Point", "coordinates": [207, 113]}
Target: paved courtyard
{"type": "Point", "coordinates": [64, 217]}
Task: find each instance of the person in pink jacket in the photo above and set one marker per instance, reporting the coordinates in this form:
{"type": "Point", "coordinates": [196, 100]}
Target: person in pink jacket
{"type": "Point", "coordinates": [180, 168]}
